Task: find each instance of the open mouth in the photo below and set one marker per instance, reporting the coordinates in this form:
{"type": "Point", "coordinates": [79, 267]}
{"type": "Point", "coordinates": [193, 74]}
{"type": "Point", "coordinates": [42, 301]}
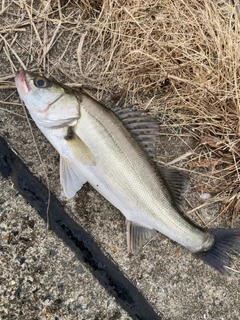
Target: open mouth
{"type": "Point", "coordinates": [21, 83]}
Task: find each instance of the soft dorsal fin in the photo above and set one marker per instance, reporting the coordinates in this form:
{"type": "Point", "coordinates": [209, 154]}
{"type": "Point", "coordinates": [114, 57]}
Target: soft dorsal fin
{"type": "Point", "coordinates": [143, 127]}
{"type": "Point", "coordinates": [137, 236]}
{"type": "Point", "coordinates": [176, 183]}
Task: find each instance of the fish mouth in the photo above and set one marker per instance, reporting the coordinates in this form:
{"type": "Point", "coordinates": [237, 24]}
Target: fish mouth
{"type": "Point", "coordinates": [21, 82]}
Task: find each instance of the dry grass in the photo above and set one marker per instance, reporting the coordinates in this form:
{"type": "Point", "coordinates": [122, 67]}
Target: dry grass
{"type": "Point", "coordinates": [178, 59]}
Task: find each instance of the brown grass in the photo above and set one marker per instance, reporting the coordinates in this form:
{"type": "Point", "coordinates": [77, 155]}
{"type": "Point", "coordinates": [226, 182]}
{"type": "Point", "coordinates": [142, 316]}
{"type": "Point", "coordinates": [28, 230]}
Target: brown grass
{"type": "Point", "coordinates": [178, 59]}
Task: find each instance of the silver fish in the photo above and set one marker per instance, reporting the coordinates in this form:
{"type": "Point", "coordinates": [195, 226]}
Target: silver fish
{"type": "Point", "coordinates": [95, 146]}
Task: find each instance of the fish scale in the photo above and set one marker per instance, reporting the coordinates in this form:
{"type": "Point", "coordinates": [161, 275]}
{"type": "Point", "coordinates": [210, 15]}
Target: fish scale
{"type": "Point", "coordinates": [134, 179]}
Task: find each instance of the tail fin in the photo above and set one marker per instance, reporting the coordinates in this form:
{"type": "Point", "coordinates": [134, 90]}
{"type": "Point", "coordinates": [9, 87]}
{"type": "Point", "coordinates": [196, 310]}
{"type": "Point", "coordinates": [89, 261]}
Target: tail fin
{"type": "Point", "coordinates": [225, 241]}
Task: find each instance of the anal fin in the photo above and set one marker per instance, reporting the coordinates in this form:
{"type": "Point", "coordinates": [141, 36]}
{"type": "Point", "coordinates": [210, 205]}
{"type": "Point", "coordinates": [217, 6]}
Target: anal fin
{"type": "Point", "coordinates": [71, 178]}
{"type": "Point", "coordinates": [138, 236]}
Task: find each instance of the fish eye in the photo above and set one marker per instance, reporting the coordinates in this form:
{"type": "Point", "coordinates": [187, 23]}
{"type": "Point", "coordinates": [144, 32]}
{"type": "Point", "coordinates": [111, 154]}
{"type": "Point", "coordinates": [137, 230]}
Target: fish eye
{"type": "Point", "coordinates": [40, 82]}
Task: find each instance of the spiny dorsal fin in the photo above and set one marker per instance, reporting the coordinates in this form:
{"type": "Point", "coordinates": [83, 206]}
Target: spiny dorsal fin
{"type": "Point", "coordinates": [143, 127]}
{"type": "Point", "coordinates": [138, 236]}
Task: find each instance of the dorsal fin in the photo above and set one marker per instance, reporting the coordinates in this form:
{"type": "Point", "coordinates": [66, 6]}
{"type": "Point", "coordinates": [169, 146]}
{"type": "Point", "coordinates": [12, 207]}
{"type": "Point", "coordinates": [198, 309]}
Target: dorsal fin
{"type": "Point", "coordinates": [143, 127]}
{"type": "Point", "coordinates": [146, 131]}
{"type": "Point", "coordinates": [176, 183]}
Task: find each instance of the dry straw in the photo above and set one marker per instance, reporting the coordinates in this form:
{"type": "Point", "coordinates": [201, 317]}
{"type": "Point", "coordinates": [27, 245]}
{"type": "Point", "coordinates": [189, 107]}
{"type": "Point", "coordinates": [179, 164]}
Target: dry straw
{"type": "Point", "coordinates": [178, 59]}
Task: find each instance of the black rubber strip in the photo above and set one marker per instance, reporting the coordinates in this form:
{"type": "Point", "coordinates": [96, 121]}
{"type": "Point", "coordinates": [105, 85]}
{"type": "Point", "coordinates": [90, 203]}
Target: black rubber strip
{"type": "Point", "coordinates": [73, 235]}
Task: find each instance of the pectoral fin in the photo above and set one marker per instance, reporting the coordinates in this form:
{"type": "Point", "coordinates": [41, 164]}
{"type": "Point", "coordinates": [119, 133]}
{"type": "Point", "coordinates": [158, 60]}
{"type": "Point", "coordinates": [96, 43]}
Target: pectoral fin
{"type": "Point", "coordinates": [70, 177]}
{"type": "Point", "coordinates": [78, 148]}
{"type": "Point", "coordinates": [137, 236]}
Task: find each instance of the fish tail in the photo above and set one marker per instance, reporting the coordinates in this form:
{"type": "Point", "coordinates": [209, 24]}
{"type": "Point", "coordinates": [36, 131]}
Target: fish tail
{"type": "Point", "coordinates": [226, 241]}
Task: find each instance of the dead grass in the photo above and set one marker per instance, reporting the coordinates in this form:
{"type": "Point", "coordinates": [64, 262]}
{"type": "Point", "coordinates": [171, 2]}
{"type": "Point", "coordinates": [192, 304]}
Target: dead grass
{"type": "Point", "coordinates": [178, 59]}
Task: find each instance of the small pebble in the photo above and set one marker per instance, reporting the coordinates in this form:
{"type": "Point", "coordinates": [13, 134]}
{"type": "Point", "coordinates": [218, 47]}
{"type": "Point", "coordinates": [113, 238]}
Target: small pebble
{"type": "Point", "coordinates": [205, 196]}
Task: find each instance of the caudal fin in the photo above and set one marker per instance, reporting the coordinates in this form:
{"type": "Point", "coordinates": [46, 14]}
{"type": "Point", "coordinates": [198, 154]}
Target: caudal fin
{"type": "Point", "coordinates": [225, 241]}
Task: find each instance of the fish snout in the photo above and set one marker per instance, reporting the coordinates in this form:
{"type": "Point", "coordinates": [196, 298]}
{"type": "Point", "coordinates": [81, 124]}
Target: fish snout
{"type": "Point", "coordinates": [21, 83]}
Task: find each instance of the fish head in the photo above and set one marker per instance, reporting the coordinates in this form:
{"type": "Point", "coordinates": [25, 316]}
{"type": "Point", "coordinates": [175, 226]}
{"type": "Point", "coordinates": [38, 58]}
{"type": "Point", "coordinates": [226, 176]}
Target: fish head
{"type": "Point", "coordinates": [49, 103]}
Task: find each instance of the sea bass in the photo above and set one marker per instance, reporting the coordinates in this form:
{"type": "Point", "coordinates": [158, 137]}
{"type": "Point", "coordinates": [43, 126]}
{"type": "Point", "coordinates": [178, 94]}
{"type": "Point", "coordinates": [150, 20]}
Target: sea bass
{"type": "Point", "coordinates": [95, 146]}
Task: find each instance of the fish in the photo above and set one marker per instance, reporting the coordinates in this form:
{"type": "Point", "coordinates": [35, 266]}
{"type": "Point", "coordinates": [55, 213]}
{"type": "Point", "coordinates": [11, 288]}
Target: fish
{"type": "Point", "coordinates": [113, 150]}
